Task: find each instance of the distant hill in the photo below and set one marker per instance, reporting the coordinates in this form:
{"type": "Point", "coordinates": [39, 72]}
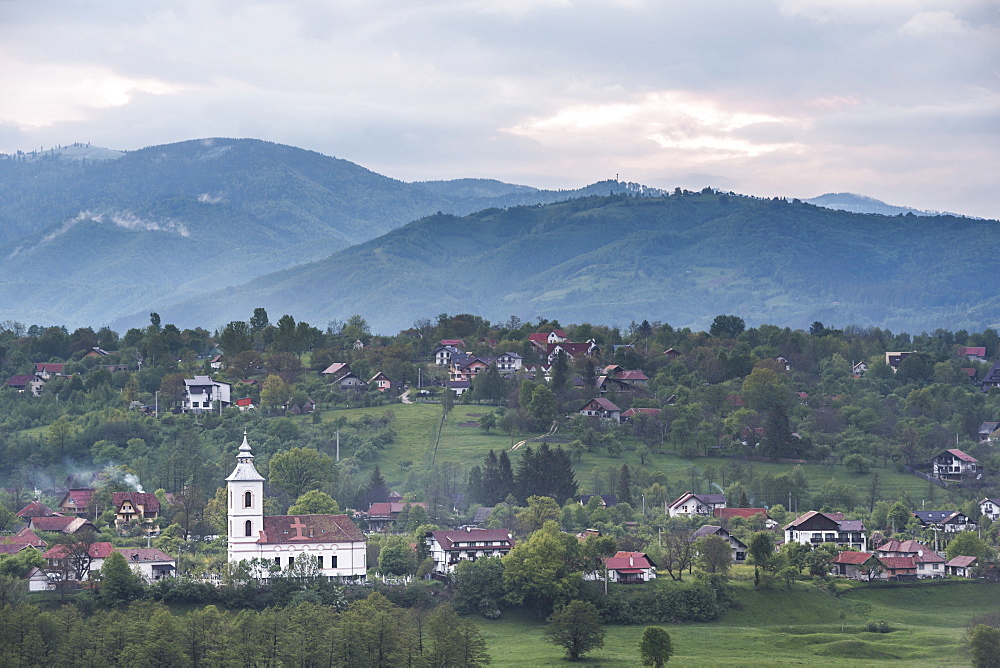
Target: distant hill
{"type": "Point", "coordinates": [862, 204]}
{"type": "Point", "coordinates": [88, 235]}
{"type": "Point", "coordinates": [614, 259]}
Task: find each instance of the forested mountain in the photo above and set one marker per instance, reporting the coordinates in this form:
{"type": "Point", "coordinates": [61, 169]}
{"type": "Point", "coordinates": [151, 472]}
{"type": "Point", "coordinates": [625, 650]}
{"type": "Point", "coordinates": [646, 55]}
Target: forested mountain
{"type": "Point", "coordinates": [681, 258]}
{"type": "Point", "coordinates": [87, 234]}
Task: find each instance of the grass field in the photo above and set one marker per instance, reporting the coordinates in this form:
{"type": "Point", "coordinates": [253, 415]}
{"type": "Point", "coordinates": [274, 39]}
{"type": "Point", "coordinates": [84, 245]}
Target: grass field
{"type": "Point", "coordinates": [781, 627]}
{"type": "Point", "coordinates": [464, 444]}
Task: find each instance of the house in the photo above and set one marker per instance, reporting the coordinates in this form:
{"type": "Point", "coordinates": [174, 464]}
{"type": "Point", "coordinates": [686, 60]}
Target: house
{"type": "Point", "coordinates": [444, 355]}
{"type": "Point", "coordinates": [334, 541]}
{"type": "Point", "coordinates": [696, 504]}
{"type": "Point", "coordinates": [538, 372]}
{"type": "Point", "coordinates": [25, 539]}
{"type": "Point", "coordinates": [974, 353]}
{"type": "Point", "coordinates": [336, 370]}
{"type": "Point", "coordinates": [572, 350]}
{"type": "Point", "coordinates": [216, 362]}
{"type": "Point", "coordinates": [973, 374]}
{"type": "Point", "coordinates": [202, 391]}
{"type": "Point", "coordinates": [542, 340]}
{"type": "Point", "coordinates": [929, 564]}
{"type": "Point", "coordinates": [985, 429]}
{"type": "Point", "coordinates": [602, 408]}
{"type": "Point", "coordinates": [30, 384]}
{"type": "Point", "coordinates": [990, 508]}
{"type": "Point", "coordinates": [626, 568]}
{"type": "Point", "coordinates": [961, 566]}
{"type": "Point", "coordinates": [739, 547]}
{"type": "Point", "coordinates": [783, 361]}
{"type": "Point", "coordinates": [671, 354]}
{"type": "Point", "coordinates": [459, 387]}
{"type": "Point", "coordinates": [381, 381]}
{"type": "Point", "coordinates": [135, 507]}
{"type": "Point", "coordinates": [61, 561]}
{"type": "Point", "coordinates": [78, 501]}
{"type": "Point", "coordinates": [604, 500]}
{"type": "Point", "coordinates": [349, 382]}
{"type": "Point", "coordinates": [245, 404]}
{"type": "Point", "coordinates": [893, 359]}
{"type": "Point", "coordinates": [467, 367]}
{"type": "Point", "coordinates": [814, 528]}
{"type": "Point", "coordinates": [631, 413]}
{"type": "Point", "coordinates": [99, 352]}
{"type": "Point", "coordinates": [46, 370]}
{"type": "Point", "coordinates": [605, 384]}
{"type": "Point", "coordinates": [954, 465]}
{"type": "Point", "coordinates": [991, 379]}
{"type": "Point", "coordinates": [949, 521]}
{"type": "Point", "coordinates": [382, 516]}
{"type": "Point", "coordinates": [509, 362]}
{"type": "Point", "coordinates": [453, 343]}
{"type": "Point", "coordinates": [859, 369]}
{"type": "Point", "coordinates": [899, 568]}
{"type": "Point", "coordinates": [150, 563]}
{"type": "Point", "coordinates": [632, 377]}
{"type": "Point", "coordinates": [749, 514]}
{"type": "Point", "coordinates": [38, 580]}
{"type": "Point", "coordinates": [35, 509]}
{"type": "Point", "coordinates": [864, 566]}
{"type": "Point", "coordinates": [448, 548]}
{"type": "Point", "coordinates": [482, 514]}
{"type": "Point", "coordinates": [61, 524]}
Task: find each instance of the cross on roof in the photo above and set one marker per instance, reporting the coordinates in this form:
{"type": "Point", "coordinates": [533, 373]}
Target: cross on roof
{"type": "Point", "coordinates": [298, 526]}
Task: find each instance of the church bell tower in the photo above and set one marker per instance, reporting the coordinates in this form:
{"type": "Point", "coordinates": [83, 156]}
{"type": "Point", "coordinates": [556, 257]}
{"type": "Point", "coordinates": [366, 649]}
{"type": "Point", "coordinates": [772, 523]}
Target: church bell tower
{"type": "Point", "coordinates": [245, 490]}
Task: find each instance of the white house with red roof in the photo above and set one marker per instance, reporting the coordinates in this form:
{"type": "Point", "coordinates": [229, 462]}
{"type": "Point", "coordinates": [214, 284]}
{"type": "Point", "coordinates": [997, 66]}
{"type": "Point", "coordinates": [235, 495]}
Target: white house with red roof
{"type": "Point", "coordinates": [929, 564]}
{"type": "Point", "coordinates": [955, 465]}
{"type": "Point", "coordinates": [626, 568]}
{"type": "Point", "coordinates": [815, 528]}
{"type": "Point", "coordinates": [974, 353]}
{"type": "Point", "coordinates": [448, 548]}
{"type": "Point", "coordinates": [334, 541]}
{"type": "Point", "coordinates": [46, 370]}
{"type": "Point", "coordinates": [135, 507]}
{"type": "Point", "coordinates": [990, 508]}
{"type": "Point", "coordinates": [961, 566]}
{"type": "Point", "coordinates": [749, 514]}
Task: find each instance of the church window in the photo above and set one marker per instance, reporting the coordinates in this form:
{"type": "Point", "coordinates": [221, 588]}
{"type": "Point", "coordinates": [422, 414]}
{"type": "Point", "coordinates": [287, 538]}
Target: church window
{"type": "Point", "coordinates": [248, 528]}
{"type": "Point", "coordinates": [248, 500]}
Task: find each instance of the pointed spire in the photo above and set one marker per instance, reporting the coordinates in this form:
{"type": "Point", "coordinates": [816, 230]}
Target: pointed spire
{"type": "Point", "coordinates": [244, 463]}
{"type": "Point", "coordinates": [245, 452]}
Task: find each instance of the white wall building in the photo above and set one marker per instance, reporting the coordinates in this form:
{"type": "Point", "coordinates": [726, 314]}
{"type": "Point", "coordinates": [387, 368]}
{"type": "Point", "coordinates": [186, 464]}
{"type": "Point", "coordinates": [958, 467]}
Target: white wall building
{"type": "Point", "coordinates": [201, 391]}
{"type": "Point", "coordinates": [334, 540]}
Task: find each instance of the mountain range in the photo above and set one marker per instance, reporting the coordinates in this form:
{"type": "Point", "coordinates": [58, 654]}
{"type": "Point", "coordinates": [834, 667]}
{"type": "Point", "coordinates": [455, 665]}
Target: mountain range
{"type": "Point", "coordinates": [206, 230]}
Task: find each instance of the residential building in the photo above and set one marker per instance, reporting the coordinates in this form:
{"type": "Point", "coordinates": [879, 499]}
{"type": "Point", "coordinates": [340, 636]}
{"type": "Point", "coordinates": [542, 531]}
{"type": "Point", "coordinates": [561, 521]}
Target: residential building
{"type": "Point", "coordinates": [46, 370]}
{"type": "Point", "coordinates": [333, 540]}
{"type": "Point", "coordinates": [986, 429]}
{"type": "Point", "coordinates": [739, 548]}
{"type": "Point", "coordinates": [381, 381]}
{"type": "Point", "coordinates": [382, 516]}
{"type": "Point", "coordinates": [27, 384]}
{"type": "Point", "coordinates": [961, 566]}
{"type": "Point", "coordinates": [948, 521]}
{"type": "Point", "coordinates": [893, 359]}
{"type": "Point", "coordinates": [61, 524]}
{"type": "Point", "coordinates": [991, 379]}
{"type": "Point", "coordinates": [135, 508]}
{"type": "Point", "coordinates": [863, 566]}
{"type": "Point", "coordinates": [955, 465]}
{"type": "Point", "coordinates": [201, 391]}
{"type": "Point", "coordinates": [602, 408]}
{"type": "Point", "coordinates": [448, 548]}
{"type": "Point", "coordinates": [605, 500]}
{"type": "Point", "coordinates": [626, 568]}
{"type": "Point", "coordinates": [444, 355]}
{"type": "Point", "coordinates": [696, 504]}
{"type": "Point", "coordinates": [78, 501]}
{"type": "Point", "coordinates": [974, 353]}
{"type": "Point", "coordinates": [815, 528]}
{"type": "Point", "coordinates": [990, 508]}
{"type": "Point", "coordinates": [749, 514]}
{"type": "Point", "coordinates": [929, 564]}
{"type": "Point", "coordinates": [34, 509]}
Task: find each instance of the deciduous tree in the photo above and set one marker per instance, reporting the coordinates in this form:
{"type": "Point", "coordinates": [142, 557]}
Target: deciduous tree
{"type": "Point", "coordinates": [656, 646]}
{"type": "Point", "coordinates": [577, 627]}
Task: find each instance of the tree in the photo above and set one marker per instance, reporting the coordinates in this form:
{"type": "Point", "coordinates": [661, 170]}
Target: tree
{"type": "Point", "coordinates": [577, 627]}
{"type": "Point", "coordinates": [761, 551]}
{"type": "Point", "coordinates": [984, 643]}
{"type": "Point", "coordinates": [235, 338]}
{"type": "Point", "coordinates": [259, 320]}
{"type": "Point", "coordinates": [541, 509]}
{"type": "Point", "coordinates": [968, 544]}
{"type": "Point", "coordinates": [543, 570]}
{"type": "Point", "coordinates": [376, 491]}
{"type": "Point", "coordinates": [715, 555]}
{"type": "Point", "coordinates": [299, 470]}
{"type": "Point", "coordinates": [315, 502]}
{"type": "Point", "coordinates": [275, 392]}
{"type": "Point", "coordinates": [479, 586]}
{"type": "Point", "coordinates": [727, 326]}
{"type": "Point", "coordinates": [396, 557]}
{"type": "Point", "coordinates": [487, 422]}
{"type": "Point", "coordinates": [542, 406]}
{"type": "Point", "coordinates": [625, 486]}
{"type": "Point", "coordinates": [656, 646]}
{"type": "Point", "coordinates": [119, 584]}
{"type": "Point", "coordinates": [455, 641]}
{"type": "Point", "coordinates": [675, 555]}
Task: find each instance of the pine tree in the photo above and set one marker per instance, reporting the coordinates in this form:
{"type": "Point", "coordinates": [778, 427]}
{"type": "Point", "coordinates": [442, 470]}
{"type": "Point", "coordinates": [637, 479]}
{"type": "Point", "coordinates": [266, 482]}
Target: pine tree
{"type": "Point", "coordinates": [625, 486]}
{"type": "Point", "coordinates": [377, 491]}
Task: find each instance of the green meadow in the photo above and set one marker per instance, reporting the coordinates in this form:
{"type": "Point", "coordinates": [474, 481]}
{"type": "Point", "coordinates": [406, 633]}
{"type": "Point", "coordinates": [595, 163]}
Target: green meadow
{"type": "Point", "coordinates": [463, 443]}
{"type": "Point", "coordinates": [779, 626]}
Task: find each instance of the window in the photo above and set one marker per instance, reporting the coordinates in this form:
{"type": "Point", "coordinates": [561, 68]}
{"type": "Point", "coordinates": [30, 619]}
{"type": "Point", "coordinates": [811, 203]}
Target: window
{"type": "Point", "coordinates": [277, 561]}
{"type": "Point", "coordinates": [248, 528]}
{"type": "Point", "coordinates": [333, 561]}
{"type": "Point", "coordinates": [291, 560]}
{"type": "Point", "coordinates": [319, 561]}
{"type": "Point", "coordinates": [248, 500]}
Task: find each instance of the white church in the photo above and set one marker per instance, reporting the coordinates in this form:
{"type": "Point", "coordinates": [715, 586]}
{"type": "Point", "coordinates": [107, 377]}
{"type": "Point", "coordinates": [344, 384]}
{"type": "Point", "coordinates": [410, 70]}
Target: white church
{"type": "Point", "coordinates": [334, 540]}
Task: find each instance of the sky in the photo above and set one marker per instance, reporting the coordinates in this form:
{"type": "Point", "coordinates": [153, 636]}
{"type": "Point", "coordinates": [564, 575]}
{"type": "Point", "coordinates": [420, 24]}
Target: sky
{"type": "Point", "coordinates": [893, 99]}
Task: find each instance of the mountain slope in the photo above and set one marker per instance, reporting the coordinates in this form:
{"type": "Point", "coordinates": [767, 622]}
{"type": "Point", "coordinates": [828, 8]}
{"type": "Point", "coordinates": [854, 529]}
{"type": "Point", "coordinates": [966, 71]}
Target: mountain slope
{"type": "Point", "coordinates": [679, 259]}
{"type": "Point", "coordinates": [88, 235]}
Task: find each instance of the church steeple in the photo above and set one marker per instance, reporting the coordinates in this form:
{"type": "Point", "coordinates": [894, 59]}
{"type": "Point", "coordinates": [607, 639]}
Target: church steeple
{"type": "Point", "coordinates": [245, 492]}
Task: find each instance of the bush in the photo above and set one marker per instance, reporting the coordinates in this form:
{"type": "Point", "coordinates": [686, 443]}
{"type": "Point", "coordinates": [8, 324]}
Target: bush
{"type": "Point", "coordinates": [878, 627]}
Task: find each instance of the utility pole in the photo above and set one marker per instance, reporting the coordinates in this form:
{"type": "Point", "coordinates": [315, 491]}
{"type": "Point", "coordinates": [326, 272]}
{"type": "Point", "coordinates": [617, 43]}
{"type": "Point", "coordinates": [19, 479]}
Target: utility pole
{"type": "Point", "coordinates": [338, 445]}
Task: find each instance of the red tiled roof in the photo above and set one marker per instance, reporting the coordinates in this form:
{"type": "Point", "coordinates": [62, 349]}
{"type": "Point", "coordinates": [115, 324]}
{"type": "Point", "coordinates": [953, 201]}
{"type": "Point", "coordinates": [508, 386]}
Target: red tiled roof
{"type": "Point", "coordinates": [605, 404]}
{"type": "Point", "coordinates": [974, 350]}
{"type": "Point", "coordinates": [628, 560]}
{"type": "Point", "coordinates": [80, 495]}
{"type": "Point", "coordinates": [51, 367]}
{"type": "Point", "coordinates": [897, 563]}
{"type": "Point", "coordinates": [855, 558]}
{"type": "Point", "coordinates": [390, 508]}
{"type": "Point", "coordinates": [19, 381]}
{"type": "Point", "coordinates": [35, 509]}
{"type": "Point", "coordinates": [280, 529]}
{"type": "Point", "coordinates": [143, 554]}
{"type": "Point", "coordinates": [962, 561]}
{"type": "Point", "coordinates": [632, 412]}
{"type": "Point", "coordinates": [539, 337]}
{"type": "Point", "coordinates": [632, 374]}
{"type": "Point", "coordinates": [100, 550]}
{"type": "Point", "coordinates": [26, 537]}
{"type": "Point", "coordinates": [147, 500]}
{"type": "Point", "coordinates": [961, 455]}
{"type": "Point", "coordinates": [244, 402]}
{"type": "Point", "coordinates": [59, 523]}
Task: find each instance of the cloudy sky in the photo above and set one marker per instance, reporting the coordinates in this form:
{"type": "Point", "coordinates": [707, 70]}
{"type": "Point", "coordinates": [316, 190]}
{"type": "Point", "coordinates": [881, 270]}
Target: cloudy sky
{"type": "Point", "coordinates": [895, 99]}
